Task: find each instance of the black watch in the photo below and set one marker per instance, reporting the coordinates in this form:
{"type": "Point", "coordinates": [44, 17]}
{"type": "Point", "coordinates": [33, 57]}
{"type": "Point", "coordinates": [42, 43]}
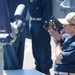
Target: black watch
{"type": "Point", "coordinates": [57, 41]}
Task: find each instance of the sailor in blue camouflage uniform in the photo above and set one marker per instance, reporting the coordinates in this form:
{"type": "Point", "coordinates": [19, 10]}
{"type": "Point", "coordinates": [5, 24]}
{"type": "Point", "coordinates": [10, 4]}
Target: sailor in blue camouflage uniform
{"type": "Point", "coordinates": [65, 46]}
{"type": "Point", "coordinates": [40, 11]}
{"type": "Point", "coordinates": [14, 54]}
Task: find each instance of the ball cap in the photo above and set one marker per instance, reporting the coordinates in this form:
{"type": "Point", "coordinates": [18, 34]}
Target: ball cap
{"type": "Point", "coordinates": [69, 19]}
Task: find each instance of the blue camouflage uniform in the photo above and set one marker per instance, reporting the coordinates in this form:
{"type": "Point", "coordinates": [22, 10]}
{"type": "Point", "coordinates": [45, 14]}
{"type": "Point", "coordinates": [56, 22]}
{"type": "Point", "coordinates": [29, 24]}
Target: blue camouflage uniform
{"type": "Point", "coordinates": [14, 54]}
{"type": "Point", "coordinates": [67, 56]}
{"type": "Point", "coordinates": [40, 11]}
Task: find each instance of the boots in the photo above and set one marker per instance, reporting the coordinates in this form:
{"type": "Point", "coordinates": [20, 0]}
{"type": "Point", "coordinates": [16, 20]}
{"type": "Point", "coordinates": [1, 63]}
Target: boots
{"type": "Point", "coordinates": [46, 72]}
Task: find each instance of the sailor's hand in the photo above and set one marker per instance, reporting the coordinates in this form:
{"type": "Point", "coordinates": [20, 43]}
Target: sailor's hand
{"type": "Point", "coordinates": [54, 34]}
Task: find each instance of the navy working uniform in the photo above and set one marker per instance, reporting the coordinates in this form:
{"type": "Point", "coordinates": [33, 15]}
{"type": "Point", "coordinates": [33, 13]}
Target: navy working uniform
{"type": "Point", "coordinates": [67, 56]}
{"type": "Point", "coordinates": [14, 54]}
{"type": "Point", "coordinates": [40, 11]}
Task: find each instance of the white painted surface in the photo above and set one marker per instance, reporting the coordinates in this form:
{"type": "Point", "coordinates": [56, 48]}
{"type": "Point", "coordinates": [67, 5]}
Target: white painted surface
{"type": "Point", "coordinates": [23, 72]}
